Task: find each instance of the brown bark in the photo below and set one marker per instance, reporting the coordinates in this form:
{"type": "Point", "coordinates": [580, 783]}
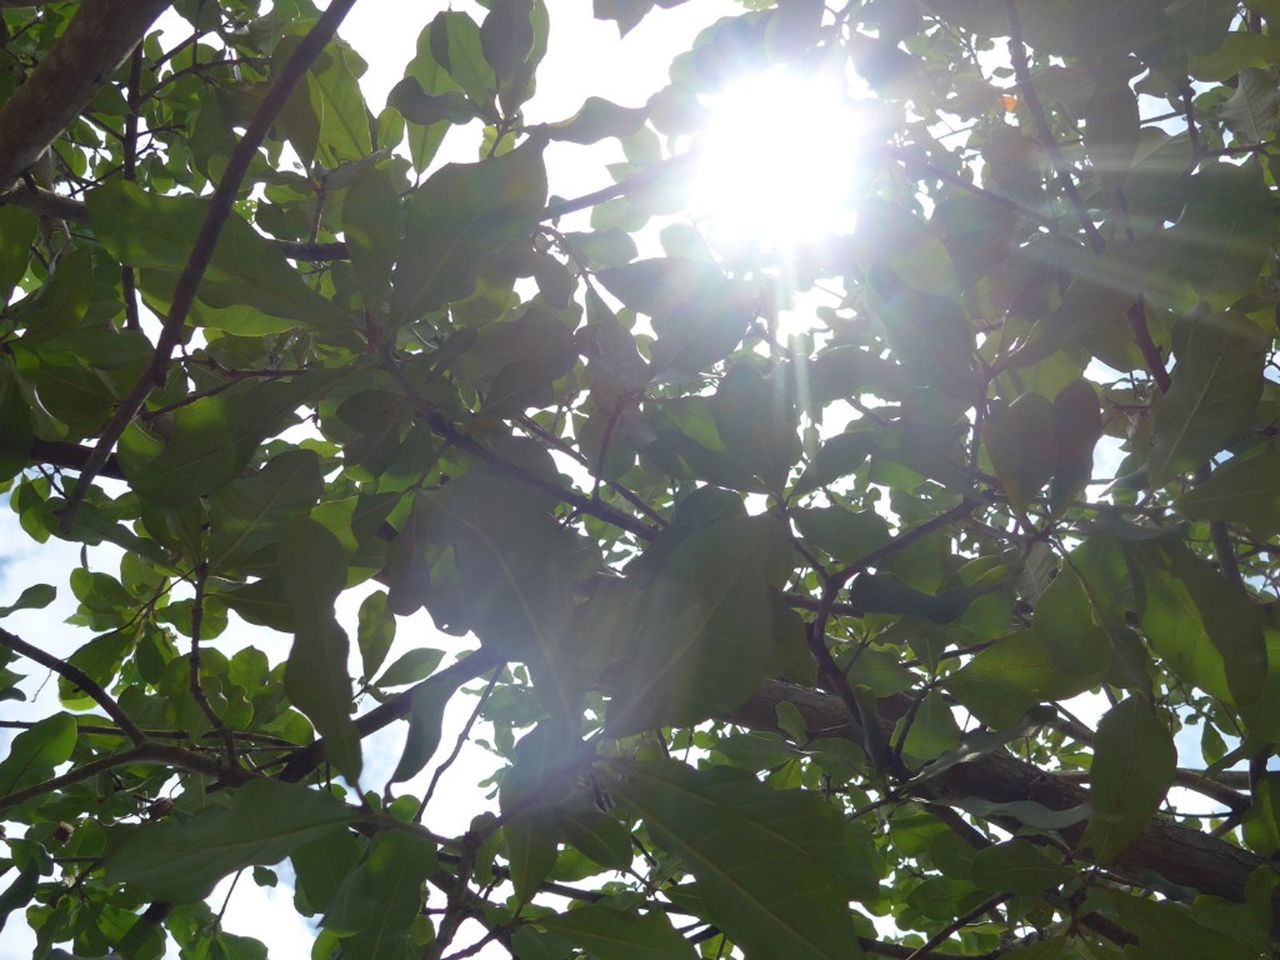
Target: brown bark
{"type": "Point", "coordinates": [100, 36]}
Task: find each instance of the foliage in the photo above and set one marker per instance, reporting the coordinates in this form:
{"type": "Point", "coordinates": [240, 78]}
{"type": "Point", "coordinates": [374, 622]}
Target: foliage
{"type": "Point", "coordinates": [780, 563]}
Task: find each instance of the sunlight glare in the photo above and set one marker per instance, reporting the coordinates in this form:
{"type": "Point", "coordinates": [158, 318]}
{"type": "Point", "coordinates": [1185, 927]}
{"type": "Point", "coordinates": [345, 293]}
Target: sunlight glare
{"type": "Point", "coordinates": [778, 160]}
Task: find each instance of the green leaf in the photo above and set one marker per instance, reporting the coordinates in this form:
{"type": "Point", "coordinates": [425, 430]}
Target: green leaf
{"type": "Point", "coordinates": [1111, 127]}
{"type": "Point", "coordinates": [17, 432]}
{"type": "Point", "coordinates": [313, 570]}
{"type": "Point", "coordinates": [1077, 426]}
{"type": "Point", "coordinates": [836, 458]}
{"type": "Point", "coordinates": [371, 225]}
{"type": "Point", "coordinates": [379, 898]}
{"type": "Point", "coordinates": [321, 864]}
{"type": "Point", "coordinates": [460, 215]}
{"type": "Point", "coordinates": [344, 124]}
{"type": "Point", "coordinates": [705, 632]}
{"type": "Point", "coordinates": [212, 439]}
{"type": "Point", "coordinates": [1011, 676]}
{"type": "Point", "coordinates": [510, 582]}
{"type": "Point", "coordinates": [601, 837]}
{"type": "Point", "coordinates": [426, 715]}
{"type": "Point", "coordinates": [418, 106]}
{"type": "Point", "coordinates": [1242, 490]}
{"type": "Point", "coordinates": [1020, 441]}
{"type": "Point", "coordinates": [1261, 826]}
{"type": "Point", "coordinates": [376, 632]}
{"type": "Point", "coordinates": [1067, 625]}
{"type": "Point", "coordinates": [246, 514]}
{"type": "Point", "coordinates": [458, 48]}
{"type": "Point", "coordinates": [597, 120]}
{"type": "Point", "coordinates": [17, 233]}
{"type": "Point", "coordinates": [1017, 867]}
{"type": "Point", "coordinates": [843, 534]}
{"type": "Point", "coordinates": [506, 37]}
{"type": "Point", "coordinates": [885, 593]}
{"type": "Point", "coordinates": [263, 823]}
{"type": "Point", "coordinates": [1222, 239]}
{"type": "Point", "coordinates": [147, 230]}
{"type": "Point", "coordinates": [1215, 387]}
{"type": "Point", "coordinates": [415, 665]}
{"type": "Point", "coordinates": [607, 934]}
{"type": "Point", "coordinates": [699, 315]}
{"type": "Point", "coordinates": [757, 422]}
{"type": "Point", "coordinates": [1133, 766]}
{"type": "Point", "coordinates": [1238, 51]}
{"type": "Point", "coordinates": [1207, 631]}
{"type": "Point", "coordinates": [1252, 112]}
{"type": "Point", "coordinates": [774, 868]}
{"type": "Point", "coordinates": [35, 753]}
{"type": "Point", "coordinates": [35, 597]}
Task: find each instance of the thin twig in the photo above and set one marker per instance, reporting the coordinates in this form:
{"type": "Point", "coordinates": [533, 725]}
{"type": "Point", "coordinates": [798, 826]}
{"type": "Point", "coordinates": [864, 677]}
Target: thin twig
{"type": "Point", "coordinates": [142, 753]}
{"type": "Point", "coordinates": [130, 172]}
{"type": "Point", "coordinates": [77, 677]}
{"type": "Point", "coordinates": [460, 743]}
{"type": "Point", "coordinates": [193, 667]}
{"type": "Point", "coordinates": [945, 933]}
{"type": "Point", "coordinates": [220, 206]}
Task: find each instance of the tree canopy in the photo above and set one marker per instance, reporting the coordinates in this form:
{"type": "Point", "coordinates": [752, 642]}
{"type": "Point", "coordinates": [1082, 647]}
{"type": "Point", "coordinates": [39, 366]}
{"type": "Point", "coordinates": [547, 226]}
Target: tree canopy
{"type": "Point", "coordinates": [903, 590]}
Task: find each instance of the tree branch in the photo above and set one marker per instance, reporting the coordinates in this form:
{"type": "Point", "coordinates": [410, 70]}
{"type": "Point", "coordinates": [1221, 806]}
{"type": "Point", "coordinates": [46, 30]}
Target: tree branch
{"type": "Point", "coordinates": [220, 206]}
{"type": "Point", "coordinates": [72, 456]}
{"type": "Point", "coordinates": [78, 677]}
{"type": "Point", "coordinates": [1183, 856]}
{"type": "Point", "coordinates": [100, 36]}
{"type": "Point", "coordinates": [143, 753]}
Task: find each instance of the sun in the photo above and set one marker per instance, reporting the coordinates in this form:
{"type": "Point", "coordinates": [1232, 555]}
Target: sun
{"type": "Point", "coordinates": [777, 160]}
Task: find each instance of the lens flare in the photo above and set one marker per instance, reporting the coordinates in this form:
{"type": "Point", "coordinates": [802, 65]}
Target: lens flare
{"type": "Point", "coordinates": [778, 159]}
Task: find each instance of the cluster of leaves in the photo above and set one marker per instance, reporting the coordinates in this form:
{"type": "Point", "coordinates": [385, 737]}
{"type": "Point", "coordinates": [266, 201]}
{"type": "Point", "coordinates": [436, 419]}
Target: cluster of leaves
{"type": "Point", "coordinates": [733, 590]}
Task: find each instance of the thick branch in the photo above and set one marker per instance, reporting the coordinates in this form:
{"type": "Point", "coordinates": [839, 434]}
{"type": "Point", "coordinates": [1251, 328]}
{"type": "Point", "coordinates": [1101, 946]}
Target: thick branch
{"type": "Point", "coordinates": [220, 204]}
{"type": "Point", "coordinates": [1183, 856]}
{"type": "Point", "coordinates": [72, 456]}
{"type": "Point", "coordinates": [78, 677]}
{"type": "Point", "coordinates": [100, 36]}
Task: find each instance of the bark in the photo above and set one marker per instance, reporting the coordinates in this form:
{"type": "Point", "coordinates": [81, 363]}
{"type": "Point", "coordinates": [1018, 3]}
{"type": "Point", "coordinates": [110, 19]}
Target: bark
{"type": "Point", "coordinates": [100, 36]}
{"type": "Point", "coordinates": [1182, 856]}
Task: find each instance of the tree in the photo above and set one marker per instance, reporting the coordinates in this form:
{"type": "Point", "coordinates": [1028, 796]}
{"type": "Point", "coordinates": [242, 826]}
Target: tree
{"type": "Point", "coordinates": [725, 648]}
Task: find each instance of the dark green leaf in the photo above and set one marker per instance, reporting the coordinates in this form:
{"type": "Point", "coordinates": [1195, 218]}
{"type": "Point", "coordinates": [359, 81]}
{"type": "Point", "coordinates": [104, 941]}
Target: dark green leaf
{"type": "Point", "coordinates": [461, 214]}
{"type": "Point", "coordinates": [1020, 441]}
{"type": "Point", "coordinates": [1016, 867]}
{"type": "Point", "coordinates": [313, 571]}
{"type": "Point", "coordinates": [377, 630]}
{"type": "Point", "coordinates": [147, 230]}
{"type": "Point", "coordinates": [775, 868]}
{"type": "Point", "coordinates": [614, 935]}
{"type": "Point", "coordinates": [35, 753]}
{"type": "Point", "coordinates": [1133, 768]}
{"type": "Point", "coordinates": [35, 597]}
{"type": "Point", "coordinates": [371, 225]}
{"type": "Point", "coordinates": [263, 823]}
